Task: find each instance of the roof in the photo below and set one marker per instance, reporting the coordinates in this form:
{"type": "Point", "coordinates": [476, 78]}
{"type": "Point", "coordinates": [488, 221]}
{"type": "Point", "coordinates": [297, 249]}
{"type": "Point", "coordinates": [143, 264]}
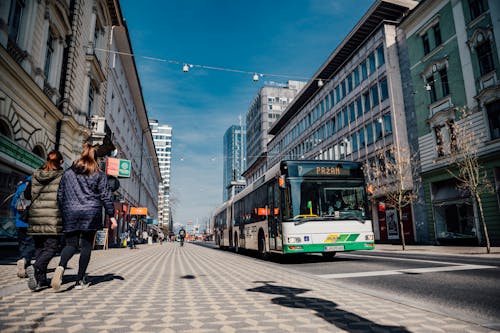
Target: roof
{"type": "Point", "coordinates": [380, 11]}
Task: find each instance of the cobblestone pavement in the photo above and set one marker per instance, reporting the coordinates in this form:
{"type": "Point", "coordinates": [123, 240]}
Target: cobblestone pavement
{"type": "Point", "coordinates": [168, 288]}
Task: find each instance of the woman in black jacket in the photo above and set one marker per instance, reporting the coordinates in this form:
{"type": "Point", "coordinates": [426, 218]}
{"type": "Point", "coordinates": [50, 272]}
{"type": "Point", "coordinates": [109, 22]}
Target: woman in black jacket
{"type": "Point", "coordinates": [83, 192]}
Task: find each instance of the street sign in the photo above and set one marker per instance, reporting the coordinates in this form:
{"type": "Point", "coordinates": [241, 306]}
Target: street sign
{"type": "Point", "coordinates": [118, 167]}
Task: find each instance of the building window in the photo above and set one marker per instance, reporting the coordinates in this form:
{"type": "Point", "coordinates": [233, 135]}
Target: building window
{"type": "Point", "coordinates": [356, 77]}
{"type": "Point", "coordinates": [371, 62]}
{"type": "Point", "coordinates": [15, 16]}
{"type": "Point", "coordinates": [378, 129]}
{"type": "Point", "coordinates": [387, 124]}
{"type": "Point", "coordinates": [366, 101]}
{"type": "Point", "coordinates": [359, 106]}
{"type": "Point", "coordinates": [445, 88]}
{"type": "Point", "coordinates": [485, 58]}
{"type": "Point", "coordinates": [369, 134]}
{"type": "Point", "coordinates": [91, 97]}
{"type": "Point", "coordinates": [361, 134]}
{"type": "Point", "coordinates": [431, 89]}
{"type": "Point", "coordinates": [364, 71]}
{"type": "Point", "coordinates": [380, 55]}
{"type": "Point", "coordinates": [384, 93]}
{"type": "Point", "coordinates": [48, 55]}
{"type": "Point", "coordinates": [476, 8]}
{"type": "Point", "coordinates": [493, 111]}
{"type": "Point", "coordinates": [352, 112]}
{"type": "Point", "coordinates": [425, 43]}
{"type": "Point", "coordinates": [437, 35]}
{"type": "Point", "coordinates": [374, 90]}
{"type": "Point", "coordinates": [345, 117]}
{"type": "Point", "coordinates": [354, 140]}
{"type": "Point", "coordinates": [436, 38]}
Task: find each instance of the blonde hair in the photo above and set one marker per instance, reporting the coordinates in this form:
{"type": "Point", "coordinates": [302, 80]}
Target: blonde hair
{"type": "Point", "coordinates": [87, 163]}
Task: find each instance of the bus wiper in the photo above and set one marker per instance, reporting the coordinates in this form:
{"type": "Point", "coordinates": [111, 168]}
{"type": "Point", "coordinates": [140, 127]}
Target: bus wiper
{"type": "Point", "coordinates": [354, 217]}
{"type": "Point", "coordinates": [306, 218]}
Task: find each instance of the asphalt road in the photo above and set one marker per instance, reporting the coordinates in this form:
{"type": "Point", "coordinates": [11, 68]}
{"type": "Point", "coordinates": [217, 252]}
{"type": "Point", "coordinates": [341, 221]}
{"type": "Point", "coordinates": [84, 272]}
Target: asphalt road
{"type": "Point", "coordinates": [466, 288]}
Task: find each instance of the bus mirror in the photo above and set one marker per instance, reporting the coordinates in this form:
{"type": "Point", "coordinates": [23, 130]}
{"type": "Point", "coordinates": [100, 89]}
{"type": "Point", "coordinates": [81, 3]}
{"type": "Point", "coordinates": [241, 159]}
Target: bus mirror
{"type": "Point", "coordinates": [281, 182]}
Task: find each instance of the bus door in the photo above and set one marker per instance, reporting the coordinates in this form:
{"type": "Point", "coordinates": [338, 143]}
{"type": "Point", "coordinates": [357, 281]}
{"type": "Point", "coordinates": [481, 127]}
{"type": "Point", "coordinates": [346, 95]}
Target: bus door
{"type": "Point", "coordinates": [273, 195]}
{"type": "Point", "coordinates": [271, 221]}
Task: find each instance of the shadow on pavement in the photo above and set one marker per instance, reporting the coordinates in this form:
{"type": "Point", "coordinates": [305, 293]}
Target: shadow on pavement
{"type": "Point", "coordinates": [93, 279]}
{"type": "Point", "coordinates": [324, 309]}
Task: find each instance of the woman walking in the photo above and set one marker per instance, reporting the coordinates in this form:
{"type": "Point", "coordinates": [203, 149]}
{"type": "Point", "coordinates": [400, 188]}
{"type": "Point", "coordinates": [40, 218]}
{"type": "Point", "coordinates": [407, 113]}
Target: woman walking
{"type": "Point", "coordinates": [82, 194]}
{"type": "Point", "coordinates": [44, 218]}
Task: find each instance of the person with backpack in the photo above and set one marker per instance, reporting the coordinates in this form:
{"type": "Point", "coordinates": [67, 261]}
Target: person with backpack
{"type": "Point", "coordinates": [26, 244]}
{"type": "Point", "coordinates": [44, 218]}
{"type": "Point", "coordinates": [82, 194]}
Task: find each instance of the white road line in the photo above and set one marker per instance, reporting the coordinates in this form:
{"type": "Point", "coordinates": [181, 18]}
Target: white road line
{"type": "Point", "coordinates": [397, 258]}
{"type": "Point", "coordinates": [405, 271]}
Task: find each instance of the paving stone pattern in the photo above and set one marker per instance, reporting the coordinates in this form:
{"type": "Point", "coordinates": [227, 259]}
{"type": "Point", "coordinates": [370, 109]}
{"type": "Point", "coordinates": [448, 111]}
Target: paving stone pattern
{"type": "Point", "coordinates": [168, 288]}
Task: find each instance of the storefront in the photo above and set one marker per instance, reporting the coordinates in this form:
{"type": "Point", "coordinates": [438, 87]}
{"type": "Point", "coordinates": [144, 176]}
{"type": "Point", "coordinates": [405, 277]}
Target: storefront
{"type": "Point", "coordinates": [453, 211]}
{"type": "Point", "coordinates": [386, 224]}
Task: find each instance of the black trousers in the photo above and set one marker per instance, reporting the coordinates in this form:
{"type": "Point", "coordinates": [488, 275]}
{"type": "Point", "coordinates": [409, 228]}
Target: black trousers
{"type": "Point", "coordinates": [46, 247]}
{"type": "Point", "coordinates": [86, 240]}
{"type": "Point", "coordinates": [26, 245]}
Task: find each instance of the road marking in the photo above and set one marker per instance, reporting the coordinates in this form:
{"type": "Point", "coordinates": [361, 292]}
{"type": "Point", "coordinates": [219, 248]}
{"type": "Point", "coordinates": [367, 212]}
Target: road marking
{"type": "Point", "coordinates": [405, 271]}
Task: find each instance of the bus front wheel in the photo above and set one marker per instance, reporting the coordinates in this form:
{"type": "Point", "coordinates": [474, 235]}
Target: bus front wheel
{"type": "Point", "coordinates": [329, 255]}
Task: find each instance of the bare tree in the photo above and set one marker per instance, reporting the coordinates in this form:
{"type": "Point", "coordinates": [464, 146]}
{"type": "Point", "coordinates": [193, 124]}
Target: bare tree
{"type": "Point", "coordinates": [465, 165]}
{"type": "Point", "coordinates": [391, 174]}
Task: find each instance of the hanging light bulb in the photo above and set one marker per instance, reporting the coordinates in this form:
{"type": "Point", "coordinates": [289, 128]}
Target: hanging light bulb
{"type": "Point", "coordinates": [185, 68]}
{"type": "Point", "coordinates": [428, 87]}
{"type": "Point", "coordinates": [320, 83]}
{"type": "Point", "coordinates": [255, 77]}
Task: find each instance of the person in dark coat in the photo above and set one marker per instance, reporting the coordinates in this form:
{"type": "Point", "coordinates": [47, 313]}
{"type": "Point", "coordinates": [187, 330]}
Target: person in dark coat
{"type": "Point", "coordinates": [82, 194]}
{"type": "Point", "coordinates": [25, 242]}
{"type": "Point", "coordinates": [44, 218]}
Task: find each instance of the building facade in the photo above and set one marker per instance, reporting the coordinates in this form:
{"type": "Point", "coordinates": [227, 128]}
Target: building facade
{"type": "Point", "coordinates": [452, 52]}
{"type": "Point", "coordinates": [234, 148]}
{"type": "Point", "coordinates": [353, 109]}
{"type": "Point", "coordinates": [268, 105]}
{"type": "Point", "coordinates": [55, 61]}
{"type": "Point", "coordinates": [162, 136]}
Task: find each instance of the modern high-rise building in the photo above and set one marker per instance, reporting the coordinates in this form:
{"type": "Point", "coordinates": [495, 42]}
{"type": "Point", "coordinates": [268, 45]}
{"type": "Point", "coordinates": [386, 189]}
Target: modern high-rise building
{"type": "Point", "coordinates": [162, 137]}
{"type": "Point", "coordinates": [234, 160]}
{"type": "Point", "coordinates": [268, 105]}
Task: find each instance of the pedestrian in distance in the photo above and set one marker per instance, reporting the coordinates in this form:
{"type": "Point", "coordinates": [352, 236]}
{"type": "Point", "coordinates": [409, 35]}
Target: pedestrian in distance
{"type": "Point", "coordinates": [25, 242]}
{"type": "Point", "coordinates": [44, 218]}
{"type": "Point", "coordinates": [82, 194]}
{"type": "Point", "coordinates": [182, 235]}
{"type": "Point", "coordinates": [132, 233]}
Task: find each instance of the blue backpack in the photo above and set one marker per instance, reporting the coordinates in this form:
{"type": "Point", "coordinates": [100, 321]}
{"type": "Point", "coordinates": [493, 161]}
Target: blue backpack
{"type": "Point", "coordinates": [19, 204]}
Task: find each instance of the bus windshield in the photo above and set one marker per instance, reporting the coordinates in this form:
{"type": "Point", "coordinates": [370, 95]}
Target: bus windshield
{"type": "Point", "coordinates": [318, 199]}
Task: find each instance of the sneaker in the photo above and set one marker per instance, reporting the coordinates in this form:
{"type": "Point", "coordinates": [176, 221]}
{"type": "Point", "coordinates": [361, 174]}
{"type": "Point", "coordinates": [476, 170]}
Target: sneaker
{"type": "Point", "coordinates": [82, 284]}
{"type": "Point", "coordinates": [30, 272]}
{"type": "Point", "coordinates": [21, 268]}
{"type": "Point", "coordinates": [57, 278]}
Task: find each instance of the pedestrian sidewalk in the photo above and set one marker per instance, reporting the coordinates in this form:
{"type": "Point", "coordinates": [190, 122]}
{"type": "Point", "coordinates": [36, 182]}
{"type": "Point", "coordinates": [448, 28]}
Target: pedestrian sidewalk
{"type": "Point", "coordinates": [476, 251]}
{"type": "Point", "coordinates": [168, 288]}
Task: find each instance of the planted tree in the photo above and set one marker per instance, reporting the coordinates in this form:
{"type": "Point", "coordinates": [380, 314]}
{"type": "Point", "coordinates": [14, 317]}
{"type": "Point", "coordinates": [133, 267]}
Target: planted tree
{"type": "Point", "coordinates": [391, 174]}
{"type": "Point", "coordinates": [465, 165]}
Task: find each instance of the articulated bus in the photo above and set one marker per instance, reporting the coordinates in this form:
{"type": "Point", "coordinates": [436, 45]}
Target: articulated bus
{"type": "Point", "coordinates": [299, 207]}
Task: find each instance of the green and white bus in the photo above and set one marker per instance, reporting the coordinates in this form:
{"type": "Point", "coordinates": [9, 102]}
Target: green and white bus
{"type": "Point", "coordinates": [299, 207]}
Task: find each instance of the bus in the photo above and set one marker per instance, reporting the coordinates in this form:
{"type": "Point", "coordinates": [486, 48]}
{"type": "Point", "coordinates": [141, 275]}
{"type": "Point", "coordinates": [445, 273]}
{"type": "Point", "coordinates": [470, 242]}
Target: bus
{"type": "Point", "coordinates": [304, 206]}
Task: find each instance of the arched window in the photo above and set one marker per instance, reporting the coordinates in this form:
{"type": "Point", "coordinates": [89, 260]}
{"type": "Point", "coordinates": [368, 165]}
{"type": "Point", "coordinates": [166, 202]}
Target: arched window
{"type": "Point", "coordinates": [39, 151]}
{"type": "Point", "coordinates": [5, 129]}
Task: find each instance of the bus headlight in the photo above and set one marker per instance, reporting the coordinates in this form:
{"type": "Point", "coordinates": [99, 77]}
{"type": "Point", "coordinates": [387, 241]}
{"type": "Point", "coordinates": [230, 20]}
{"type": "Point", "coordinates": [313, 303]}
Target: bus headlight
{"type": "Point", "coordinates": [369, 237]}
{"type": "Point", "coordinates": [294, 240]}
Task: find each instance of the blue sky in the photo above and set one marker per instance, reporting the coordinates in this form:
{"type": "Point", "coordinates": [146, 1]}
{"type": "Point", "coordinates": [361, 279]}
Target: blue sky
{"type": "Point", "coordinates": [289, 38]}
